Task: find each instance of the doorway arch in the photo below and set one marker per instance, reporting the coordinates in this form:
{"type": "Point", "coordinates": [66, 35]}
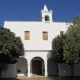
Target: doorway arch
{"type": "Point", "coordinates": [22, 66]}
{"type": "Point", "coordinates": [37, 64]}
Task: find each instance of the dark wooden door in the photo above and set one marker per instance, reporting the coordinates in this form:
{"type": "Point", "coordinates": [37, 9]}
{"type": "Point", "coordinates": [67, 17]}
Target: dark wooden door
{"type": "Point", "coordinates": [37, 67]}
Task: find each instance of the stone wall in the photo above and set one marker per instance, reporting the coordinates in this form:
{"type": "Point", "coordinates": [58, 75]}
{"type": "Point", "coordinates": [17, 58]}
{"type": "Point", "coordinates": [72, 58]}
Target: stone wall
{"type": "Point", "coordinates": [10, 71]}
{"type": "Point", "coordinates": [65, 69]}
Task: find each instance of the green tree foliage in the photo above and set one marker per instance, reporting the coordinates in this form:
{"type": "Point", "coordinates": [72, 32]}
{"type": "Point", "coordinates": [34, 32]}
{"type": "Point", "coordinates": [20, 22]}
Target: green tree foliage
{"type": "Point", "coordinates": [67, 48]}
{"type": "Point", "coordinates": [11, 47]}
{"type": "Point", "coordinates": [57, 48]}
{"type": "Point", "coordinates": [72, 42]}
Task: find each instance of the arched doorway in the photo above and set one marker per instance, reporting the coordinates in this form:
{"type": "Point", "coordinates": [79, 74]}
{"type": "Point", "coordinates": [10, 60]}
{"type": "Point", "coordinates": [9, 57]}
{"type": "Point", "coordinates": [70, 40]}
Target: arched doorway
{"type": "Point", "coordinates": [37, 66]}
{"type": "Point", "coordinates": [22, 66]}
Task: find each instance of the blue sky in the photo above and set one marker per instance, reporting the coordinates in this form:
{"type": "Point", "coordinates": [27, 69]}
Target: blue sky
{"type": "Point", "coordinates": [29, 10]}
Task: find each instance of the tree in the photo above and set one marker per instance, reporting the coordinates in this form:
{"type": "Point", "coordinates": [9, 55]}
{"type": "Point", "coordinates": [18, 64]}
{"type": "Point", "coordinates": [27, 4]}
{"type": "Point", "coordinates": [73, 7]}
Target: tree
{"type": "Point", "coordinates": [57, 48]}
{"type": "Point", "coordinates": [72, 43]}
{"type": "Point", "coordinates": [66, 47]}
{"type": "Point", "coordinates": [11, 47]}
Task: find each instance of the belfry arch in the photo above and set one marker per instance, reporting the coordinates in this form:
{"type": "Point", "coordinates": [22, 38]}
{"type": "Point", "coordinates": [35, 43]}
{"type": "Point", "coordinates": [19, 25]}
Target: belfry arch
{"type": "Point", "coordinates": [47, 18]}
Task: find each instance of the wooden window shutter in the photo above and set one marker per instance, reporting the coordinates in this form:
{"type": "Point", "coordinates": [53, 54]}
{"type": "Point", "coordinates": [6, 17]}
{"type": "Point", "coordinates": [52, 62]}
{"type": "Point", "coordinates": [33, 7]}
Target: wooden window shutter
{"type": "Point", "coordinates": [45, 35]}
{"type": "Point", "coordinates": [27, 35]}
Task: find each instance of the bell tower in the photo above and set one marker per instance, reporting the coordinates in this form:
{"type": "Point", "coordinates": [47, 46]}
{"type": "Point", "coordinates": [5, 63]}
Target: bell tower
{"type": "Point", "coordinates": [46, 15]}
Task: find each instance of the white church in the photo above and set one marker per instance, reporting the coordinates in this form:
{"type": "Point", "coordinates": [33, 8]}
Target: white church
{"type": "Point", "coordinates": [37, 38]}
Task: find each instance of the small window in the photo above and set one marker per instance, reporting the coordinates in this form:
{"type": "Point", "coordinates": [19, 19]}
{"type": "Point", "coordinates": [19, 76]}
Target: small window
{"type": "Point", "coordinates": [27, 35]}
{"type": "Point", "coordinates": [45, 35]}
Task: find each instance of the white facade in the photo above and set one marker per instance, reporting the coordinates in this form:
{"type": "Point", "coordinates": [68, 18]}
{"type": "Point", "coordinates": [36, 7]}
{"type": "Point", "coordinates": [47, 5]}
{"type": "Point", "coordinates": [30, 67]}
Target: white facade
{"type": "Point", "coordinates": [36, 47]}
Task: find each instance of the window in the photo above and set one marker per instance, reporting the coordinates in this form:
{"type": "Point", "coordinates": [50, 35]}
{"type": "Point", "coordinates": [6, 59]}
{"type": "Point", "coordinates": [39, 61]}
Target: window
{"type": "Point", "coordinates": [27, 35]}
{"type": "Point", "coordinates": [45, 35]}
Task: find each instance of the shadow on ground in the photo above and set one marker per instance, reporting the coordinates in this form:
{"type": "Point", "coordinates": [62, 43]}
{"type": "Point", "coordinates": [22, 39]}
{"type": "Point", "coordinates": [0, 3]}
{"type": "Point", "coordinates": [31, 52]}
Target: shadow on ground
{"type": "Point", "coordinates": [9, 79]}
{"type": "Point", "coordinates": [69, 78]}
{"type": "Point", "coordinates": [33, 78]}
{"type": "Point", "coordinates": [48, 78]}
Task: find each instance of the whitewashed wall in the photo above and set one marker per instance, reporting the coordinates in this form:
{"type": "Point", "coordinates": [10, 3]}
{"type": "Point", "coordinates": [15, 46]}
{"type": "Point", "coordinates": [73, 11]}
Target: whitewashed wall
{"type": "Point", "coordinates": [36, 28]}
{"type": "Point", "coordinates": [29, 55]}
